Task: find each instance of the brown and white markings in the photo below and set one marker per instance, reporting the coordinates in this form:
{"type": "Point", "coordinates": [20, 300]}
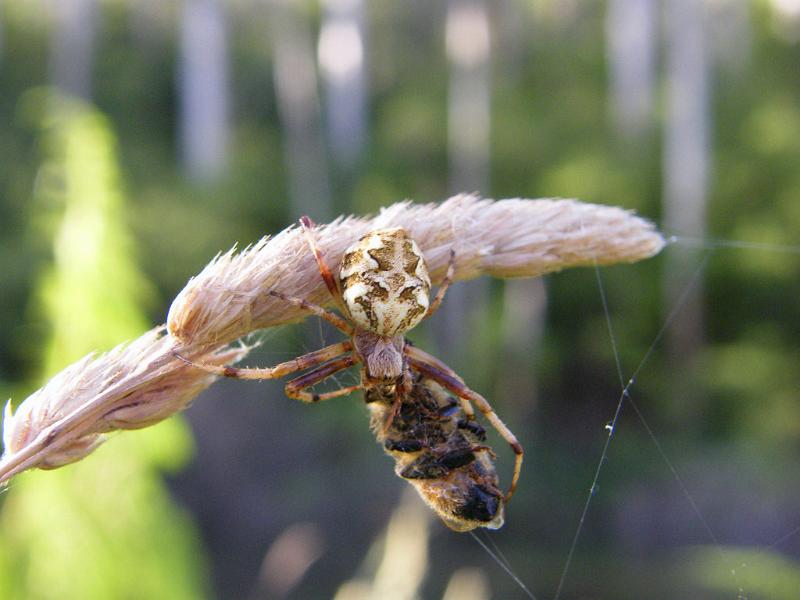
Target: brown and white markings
{"type": "Point", "coordinates": [421, 410]}
{"type": "Point", "coordinates": [385, 282]}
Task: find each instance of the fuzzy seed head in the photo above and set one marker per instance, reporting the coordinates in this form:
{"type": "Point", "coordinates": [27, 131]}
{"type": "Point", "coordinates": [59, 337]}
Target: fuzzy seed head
{"type": "Point", "coordinates": [385, 282]}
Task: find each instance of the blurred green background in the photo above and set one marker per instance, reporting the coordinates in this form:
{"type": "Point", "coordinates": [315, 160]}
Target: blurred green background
{"type": "Point", "coordinates": [138, 139]}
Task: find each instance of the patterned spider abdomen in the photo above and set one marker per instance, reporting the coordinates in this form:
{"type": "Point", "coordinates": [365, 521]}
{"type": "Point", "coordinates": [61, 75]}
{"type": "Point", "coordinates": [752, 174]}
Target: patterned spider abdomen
{"type": "Point", "coordinates": [385, 282]}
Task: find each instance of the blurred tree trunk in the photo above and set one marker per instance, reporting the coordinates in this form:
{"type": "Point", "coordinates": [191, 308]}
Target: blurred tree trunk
{"type": "Point", "coordinates": [342, 63]}
{"type": "Point", "coordinates": [524, 300]}
{"type": "Point", "coordinates": [72, 46]}
{"type": "Point", "coordinates": [468, 126]}
{"type": "Point", "coordinates": [469, 95]}
{"type": "Point", "coordinates": [732, 34]}
{"type": "Point", "coordinates": [2, 30]}
{"type": "Point", "coordinates": [204, 89]}
{"type": "Point", "coordinates": [515, 20]}
{"type": "Point", "coordinates": [632, 37]}
{"type": "Point", "coordinates": [686, 158]}
{"type": "Point", "coordinates": [299, 110]}
{"type": "Point", "coordinates": [524, 312]}
{"type": "Point", "coordinates": [150, 24]}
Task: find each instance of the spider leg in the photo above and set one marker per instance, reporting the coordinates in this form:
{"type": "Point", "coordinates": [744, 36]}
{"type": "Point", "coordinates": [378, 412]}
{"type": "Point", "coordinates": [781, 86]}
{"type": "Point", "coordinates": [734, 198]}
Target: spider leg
{"type": "Point", "coordinates": [330, 281]}
{"type": "Point", "coordinates": [448, 279]}
{"type": "Point", "coordinates": [306, 361]}
{"type": "Point", "coordinates": [329, 316]}
{"type": "Point", "coordinates": [466, 405]}
{"type": "Point", "coordinates": [295, 388]}
{"type": "Point", "coordinates": [436, 370]}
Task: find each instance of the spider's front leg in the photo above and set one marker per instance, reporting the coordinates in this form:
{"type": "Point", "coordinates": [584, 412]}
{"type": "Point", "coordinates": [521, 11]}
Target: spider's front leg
{"type": "Point", "coordinates": [436, 370]}
{"type": "Point", "coordinates": [330, 281]}
{"type": "Point", "coordinates": [306, 361]}
{"type": "Point", "coordinates": [296, 387]}
{"type": "Point", "coordinates": [301, 363]}
{"type": "Point", "coordinates": [329, 316]}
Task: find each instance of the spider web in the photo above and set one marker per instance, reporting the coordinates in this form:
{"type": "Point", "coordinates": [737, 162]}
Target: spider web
{"type": "Point", "coordinates": [626, 401]}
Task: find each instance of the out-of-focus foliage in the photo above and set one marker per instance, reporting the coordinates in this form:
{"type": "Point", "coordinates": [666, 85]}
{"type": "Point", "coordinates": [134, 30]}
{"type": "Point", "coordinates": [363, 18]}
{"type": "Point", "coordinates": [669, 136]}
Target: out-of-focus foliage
{"type": "Point", "coordinates": [93, 294]}
{"type": "Point", "coordinates": [764, 574]}
{"type": "Point", "coordinates": [104, 528]}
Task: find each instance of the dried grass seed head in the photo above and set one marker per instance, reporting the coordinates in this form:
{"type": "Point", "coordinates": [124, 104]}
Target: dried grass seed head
{"type": "Point", "coordinates": [132, 386]}
{"type": "Point", "coordinates": [142, 382]}
{"type": "Point", "coordinates": [505, 238]}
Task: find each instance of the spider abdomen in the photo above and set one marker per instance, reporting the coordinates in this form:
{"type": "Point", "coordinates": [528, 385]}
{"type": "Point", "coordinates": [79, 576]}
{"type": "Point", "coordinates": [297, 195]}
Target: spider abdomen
{"type": "Point", "coordinates": [385, 282]}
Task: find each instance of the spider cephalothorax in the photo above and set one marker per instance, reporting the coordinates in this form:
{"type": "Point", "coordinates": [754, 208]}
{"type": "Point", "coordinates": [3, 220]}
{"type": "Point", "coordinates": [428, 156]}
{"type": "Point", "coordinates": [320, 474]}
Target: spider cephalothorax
{"type": "Point", "coordinates": [385, 282]}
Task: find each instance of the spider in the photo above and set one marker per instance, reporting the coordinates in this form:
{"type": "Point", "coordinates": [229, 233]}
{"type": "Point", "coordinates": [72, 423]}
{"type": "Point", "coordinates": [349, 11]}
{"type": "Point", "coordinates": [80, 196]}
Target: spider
{"type": "Point", "coordinates": [422, 411]}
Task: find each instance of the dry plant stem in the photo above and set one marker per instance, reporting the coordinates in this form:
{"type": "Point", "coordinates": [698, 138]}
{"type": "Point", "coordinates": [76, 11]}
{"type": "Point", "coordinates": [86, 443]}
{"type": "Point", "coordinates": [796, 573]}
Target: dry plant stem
{"type": "Point", "coordinates": [133, 386]}
{"type": "Point", "coordinates": [142, 382]}
{"type": "Point", "coordinates": [506, 238]}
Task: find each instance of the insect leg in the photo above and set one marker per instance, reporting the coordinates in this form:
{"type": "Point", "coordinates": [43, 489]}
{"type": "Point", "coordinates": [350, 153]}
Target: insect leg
{"type": "Point", "coordinates": [330, 281]}
{"type": "Point", "coordinates": [448, 279]}
{"type": "Point", "coordinates": [329, 316]}
{"type": "Point", "coordinates": [306, 361]}
{"type": "Point", "coordinates": [296, 387]}
{"type": "Point", "coordinates": [436, 370]}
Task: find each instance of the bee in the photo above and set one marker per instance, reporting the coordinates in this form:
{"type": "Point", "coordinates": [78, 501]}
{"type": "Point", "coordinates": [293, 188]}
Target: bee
{"type": "Point", "coordinates": [441, 453]}
{"type": "Point", "coordinates": [421, 410]}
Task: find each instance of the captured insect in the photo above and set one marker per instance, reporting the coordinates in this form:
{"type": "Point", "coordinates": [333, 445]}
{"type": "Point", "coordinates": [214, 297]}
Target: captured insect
{"type": "Point", "coordinates": [421, 410]}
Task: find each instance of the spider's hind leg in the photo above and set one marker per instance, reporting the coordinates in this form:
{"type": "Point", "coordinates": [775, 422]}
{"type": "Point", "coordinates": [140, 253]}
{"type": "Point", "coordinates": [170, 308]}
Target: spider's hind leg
{"type": "Point", "coordinates": [431, 367]}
